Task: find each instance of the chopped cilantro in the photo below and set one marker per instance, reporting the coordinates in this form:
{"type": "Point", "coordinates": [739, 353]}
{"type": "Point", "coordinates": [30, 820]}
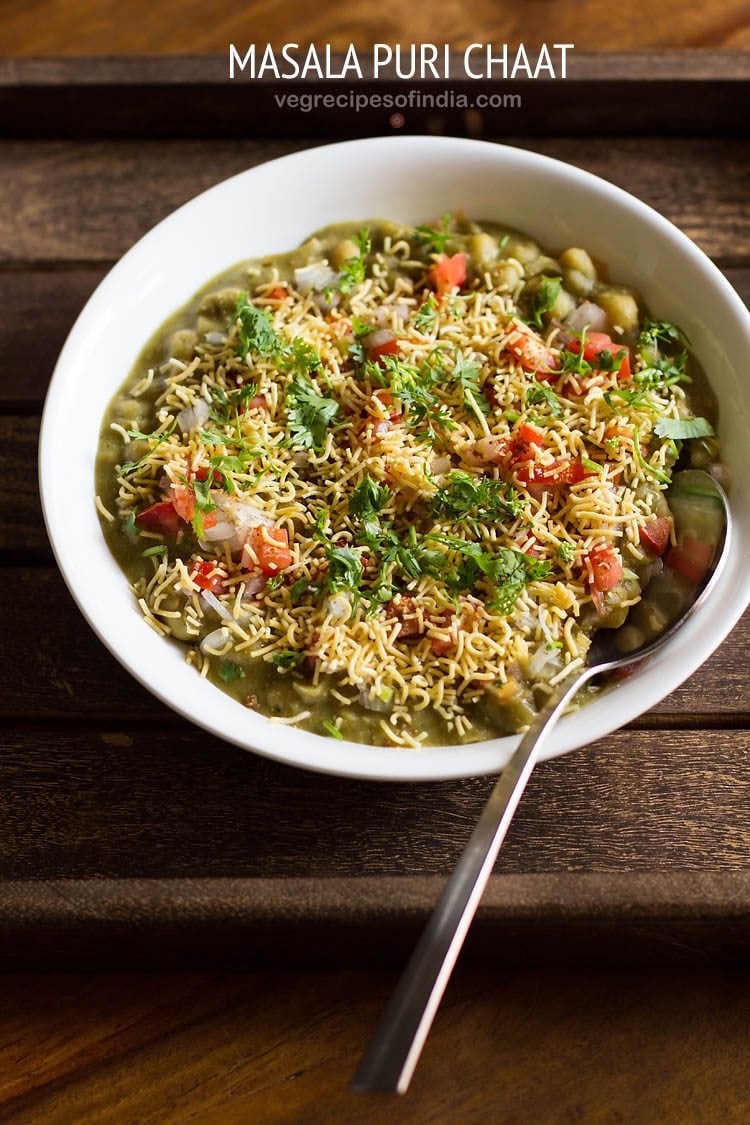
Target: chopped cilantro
{"type": "Point", "coordinates": [565, 551]}
{"type": "Point", "coordinates": [435, 240]}
{"type": "Point", "coordinates": [332, 729]}
{"type": "Point", "coordinates": [161, 549]}
{"type": "Point", "coordinates": [507, 569]}
{"type": "Point", "coordinates": [256, 331]}
{"type": "Point", "coordinates": [353, 270]}
{"type": "Point", "coordinates": [285, 659]}
{"type": "Point", "coordinates": [539, 394]}
{"type": "Point", "coordinates": [229, 671]}
{"type": "Point", "coordinates": [656, 332]}
{"type": "Point", "coordinates": [300, 587]}
{"type": "Point", "coordinates": [128, 525]}
{"type": "Point", "coordinates": [301, 357]}
{"type": "Point", "coordinates": [310, 414]}
{"type": "Point", "coordinates": [466, 497]}
{"type": "Point", "coordinates": [680, 429]}
{"type": "Point", "coordinates": [427, 316]}
{"type": "Point", "coordinates": [203, 504]}
{"type": "Point", "coordinates": [657, 474]}
{"type": "Point", "coordinates": [543, 299]}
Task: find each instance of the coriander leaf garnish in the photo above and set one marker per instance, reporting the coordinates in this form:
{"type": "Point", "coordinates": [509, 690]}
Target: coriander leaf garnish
{"type": "Point", "coordinates": [482, 499]}
{"type": "Point", "coordinates": [543, 299]}
{"type": "Point", "coordinates": [507, 569]}
{"type": "Point", "coordinates": [301, 357]}
{"type": "Point", "coordinates": [466, 372]}
{"type": "Point", "coordinates": [353, 270]}
{"type": "Point", "coordinates": [256, 332]}
{"type": "Point", "coordinates": [427, 316]}
{"type": "Point", "coordinates": [435, 240]}
{"type": "Point", "coordinates": [300, 587]}
{"type": "Point", "coordinates": [412, 385]}
{"type": "Point", "coordinates": [203, 504]}
{"type": "Point", "coordinates": [310, 414]}
{"type": "Point", "coordinates": [681, 429]}
{"type": "Point", "coordinates": [332, 729]}
{"type": "Point", "coordinates": [161, 549]}
{"type": "Point", "coordinates": [565, 551]}
{"type": "Point", "coordinates": [539, 394]}
{"type": "Point", "coordinates": [656, 332]}
{"type": "Point", "coordinates": [345, 569]}
{"type": "Point", "coordinates": [285, 659]}
{"type": "Point", "coordinates": [229, 671]}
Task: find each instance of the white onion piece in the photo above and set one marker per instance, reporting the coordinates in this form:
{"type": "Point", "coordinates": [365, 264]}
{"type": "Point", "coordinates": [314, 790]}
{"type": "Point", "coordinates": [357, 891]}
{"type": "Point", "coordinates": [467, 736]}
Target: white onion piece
{"type": "Point", "coordinates": [440, 465]}
{"type": "Point", "coordinates": [377, 338]}
{"type": "Point", "coordinates": [254, 584]}
{"type": "Point", "coordinates": [317, 276]}
{"type": "Point", "coordinates": [372, 703]}
{"type": "Point", "coordinates": [213, 601]}
{"type": "Point", "coordinates": [383, 313]}
{"type": "Point", "coordinates": [193, 417]}
{"type": "Point", "coordinates": [235, 517]}
{"type": "Point", "coordinates": [339, 608]}
{"type": "Point", "coordinates": [216, 641]}
{"type": "Point", "coordinates": [215, 338]}
{"type": "Point", "coordinates": [544, 663]}
{"type": "Point", "coordinates": [588, 314]}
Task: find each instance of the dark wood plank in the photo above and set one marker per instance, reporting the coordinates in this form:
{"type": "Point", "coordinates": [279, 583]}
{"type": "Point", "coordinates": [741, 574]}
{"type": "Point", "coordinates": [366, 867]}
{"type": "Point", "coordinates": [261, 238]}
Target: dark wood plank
{"type": "Point", "coordinates": [44, 182]}
{"type": "Point", "coordinates": [57, 296]}
{"type": "Point", "coordinates": [68, 674]}
{"type": "Point", "coordinates": [119, 801]}
{"type": "Point", "coordinates": [540, 1046]}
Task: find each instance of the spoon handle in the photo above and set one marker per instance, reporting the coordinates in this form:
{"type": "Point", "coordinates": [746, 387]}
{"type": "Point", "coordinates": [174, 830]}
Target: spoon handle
{"type": "Point", "coordinates": [394, 1050]}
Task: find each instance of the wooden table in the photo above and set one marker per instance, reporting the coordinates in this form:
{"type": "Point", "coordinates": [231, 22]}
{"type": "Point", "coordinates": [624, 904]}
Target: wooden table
{"type": "Point", "coordinates": [130, 839]}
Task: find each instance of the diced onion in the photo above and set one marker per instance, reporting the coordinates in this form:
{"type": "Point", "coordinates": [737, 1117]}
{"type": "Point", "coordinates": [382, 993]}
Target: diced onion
{"type": "Point", "coordinates": [235, 517]}
{"type": "Point", "coordinates": [383, 313]}
{"type": "Point", "coordinates": [588, 315]}
{"type": "Point", "coordinates": [544, 663]}
{"type": "Point", "coordinates": [193, 417]}
{"type": "Point", "coordinates": [215, 337]}
{"type": "Point", "coordinates": [216, 640]}
{"type": "Point", "coordinates": [440, 465]}
{"type": "Point", "coordinates": [377, 338]}
{"type": "Point", "coordinates": [381, 704]}
{"type": "Point", "coordinates": [317, 276]}
{"type": "Point", "coordinates": [213, 601]}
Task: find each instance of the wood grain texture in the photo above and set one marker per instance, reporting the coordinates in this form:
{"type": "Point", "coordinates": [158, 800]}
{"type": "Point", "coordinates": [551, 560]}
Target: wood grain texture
{"type": "Point", "coordinates": [118, 801]}
{"type": "Point", "coordinates": [85, 27]}
{"type": "Point", "coordinates": [536, 1046]}
{"type": "Point", "coordinates": [126, 191]}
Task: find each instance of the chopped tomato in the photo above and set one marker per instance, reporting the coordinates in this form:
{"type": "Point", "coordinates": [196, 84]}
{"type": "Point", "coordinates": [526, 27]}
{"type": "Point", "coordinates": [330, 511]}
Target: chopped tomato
{"type": "Point", "coordinates": [531, 434]}
{"type": "Point", "coordinates": [606, 568]}
{"type": "Point", "coordinates": [448, 273]}
{"type": "Point", "coordinates": [388, 347]}
{"type": "Point", "coordinates": [278, 293]}
{"type": "Point", "coordinates": [183, 501]}
{"type": "Point", "coordinates": [690, 558]}
{"type": "Point", "coordinates": [389, 403]}
{"type": "Point", "coordinates": [259, 402]}
{"type": "Point", "coordinates": [271, 547]}
{"type": "Point", "coordinates": [161, 517]}
{"type": "Point", "coordinates": [207, 576]}
{"type": "Point", "coordinates": [201, 473]}
{"type": "Point", "coordinates": [655, 534]}
{"type": "Point", "coordinates": [405, 611]}
{"type": "Point", "coordinates": [596, 342]}
{"type": "Point", "coordinates": [534, 356]}
{"type": "Point", "coordinates": [556, 474]}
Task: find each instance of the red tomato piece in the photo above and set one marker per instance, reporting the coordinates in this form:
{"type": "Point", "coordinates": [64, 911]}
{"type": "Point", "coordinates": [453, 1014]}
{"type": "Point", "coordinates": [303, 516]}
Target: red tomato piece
{"type": "Point", "coordinates": [596, 342]}
{"type": "Point", "coordinates": [271, 547]}
{"type": "Point", "coordinates": [534, 356]}
{"type": "Point", "coordinates": [183, 501]}
{"type": "Point", "coordinates": [388, 347]}
{"type": "Point", "coordinates": [207, 576]}
{"type": "Point", "coordinates": [530, 434]}
{"type": "Point", "coordinates": [606, 568]}
{"type": "Point", "coordinates": [449, 272]}
{"type": "Point", "coordinates": [202, 474]}
{"type": "Point", "coordinates": [160, 517]}
{"type": "Point", "coordinates": [278, 293]}
{"type": "Point", "coordinates": [655, 534]}
{"type": "Point", "coordinates": [690, 558]}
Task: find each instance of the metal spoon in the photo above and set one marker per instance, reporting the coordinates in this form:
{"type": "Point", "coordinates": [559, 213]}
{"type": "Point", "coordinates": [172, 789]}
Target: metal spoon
{"type": "Point", "coordinates": [701, 515]}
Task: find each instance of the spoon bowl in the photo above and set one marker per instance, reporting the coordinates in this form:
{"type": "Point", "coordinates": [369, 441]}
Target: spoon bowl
{"type": "Point", "coordinates": [701, 540]}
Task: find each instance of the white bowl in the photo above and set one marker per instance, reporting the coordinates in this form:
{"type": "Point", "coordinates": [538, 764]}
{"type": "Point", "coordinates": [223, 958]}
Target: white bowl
{"type": "Point", "coordinates": [272, 208]}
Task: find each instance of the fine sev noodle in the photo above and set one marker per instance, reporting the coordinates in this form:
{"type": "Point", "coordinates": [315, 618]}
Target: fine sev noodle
{"type": "Point", "coordinates": [364, 653]}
